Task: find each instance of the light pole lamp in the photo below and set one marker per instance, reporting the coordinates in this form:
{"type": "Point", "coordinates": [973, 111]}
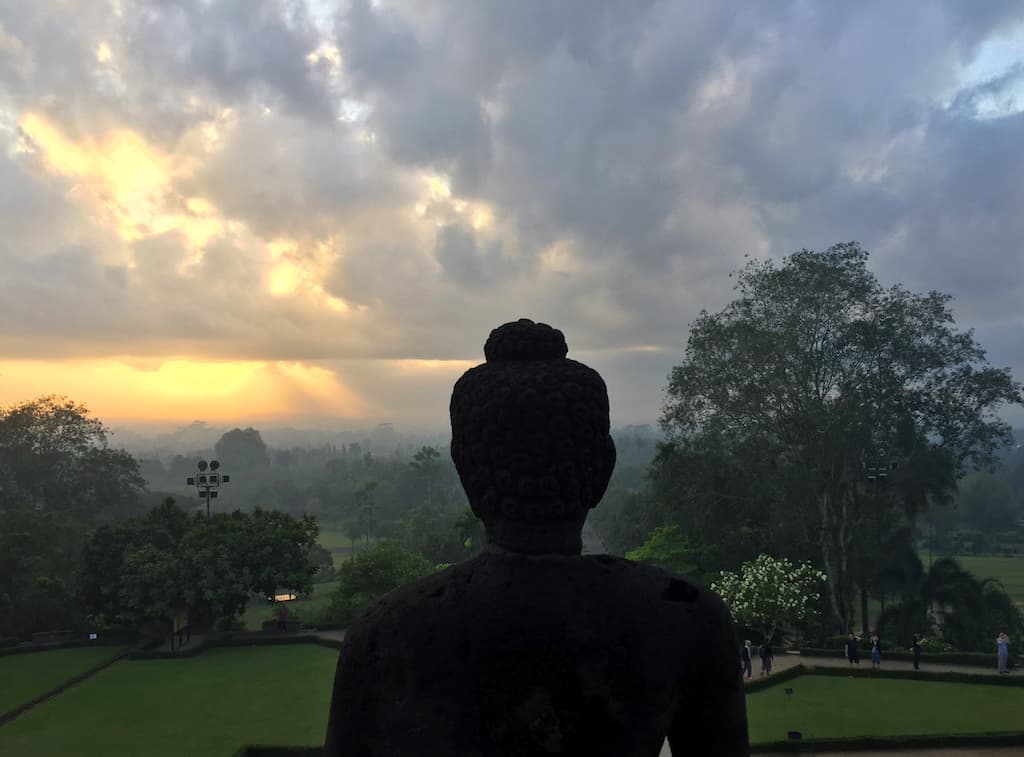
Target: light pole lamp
{"type": "Point", "coordinates": [208, 483]}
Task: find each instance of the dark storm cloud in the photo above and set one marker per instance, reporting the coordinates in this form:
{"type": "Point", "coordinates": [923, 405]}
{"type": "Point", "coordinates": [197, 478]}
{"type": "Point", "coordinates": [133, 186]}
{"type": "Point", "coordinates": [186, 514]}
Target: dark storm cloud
{"type": "Point", "coordinates": [627, 154]}
{"type": "Point", "coordinates": [235, 47]}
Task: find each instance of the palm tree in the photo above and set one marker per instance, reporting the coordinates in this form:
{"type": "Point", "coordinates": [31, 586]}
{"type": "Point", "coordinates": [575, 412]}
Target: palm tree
{"type": "Point", "coordinates": [968, 611]}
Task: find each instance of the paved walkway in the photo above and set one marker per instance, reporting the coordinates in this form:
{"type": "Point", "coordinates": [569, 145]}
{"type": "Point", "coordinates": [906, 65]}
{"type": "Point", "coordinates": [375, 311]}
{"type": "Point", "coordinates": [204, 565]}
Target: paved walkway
{"type": "Point", "coordinates": [1002, 751]}
{"type": "Point", "coordinates": [784, 661]}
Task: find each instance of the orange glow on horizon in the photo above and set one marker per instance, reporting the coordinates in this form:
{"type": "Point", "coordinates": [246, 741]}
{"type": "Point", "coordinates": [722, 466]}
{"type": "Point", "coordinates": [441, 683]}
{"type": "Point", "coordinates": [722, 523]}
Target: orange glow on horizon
{"type": "Point", "coordinates": [177, 389]}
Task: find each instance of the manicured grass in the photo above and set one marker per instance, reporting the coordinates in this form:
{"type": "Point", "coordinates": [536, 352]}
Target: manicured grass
{"type": "Point", "coordinates": [24, 677]}
{"type": "Point", "coordinates": [1009, 570]}
{"type": "Point", "coordinates": [833, 707]}
{"type": "Point", "coordinates": [204, 706]}
{"type": "Point", "coordinates": [330, 538]}
{"type": "Point", "coordinates": [307, 608]}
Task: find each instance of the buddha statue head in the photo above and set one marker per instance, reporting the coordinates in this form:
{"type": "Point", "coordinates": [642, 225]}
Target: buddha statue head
{"type": "Point", "coordinates": [530, 440]}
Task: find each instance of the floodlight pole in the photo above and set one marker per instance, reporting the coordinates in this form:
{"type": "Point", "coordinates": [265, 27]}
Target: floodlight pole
{"type": "Point", "coordinates": [208, 483]}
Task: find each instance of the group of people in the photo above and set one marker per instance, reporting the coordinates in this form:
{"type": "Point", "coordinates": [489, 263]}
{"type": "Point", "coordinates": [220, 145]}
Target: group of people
{"type": "Point", "coordinates": [747, 658]}
{"type": "Point", "coordinates": [853, 650]}
{"type": "Point", "coordinates": [853, 653]}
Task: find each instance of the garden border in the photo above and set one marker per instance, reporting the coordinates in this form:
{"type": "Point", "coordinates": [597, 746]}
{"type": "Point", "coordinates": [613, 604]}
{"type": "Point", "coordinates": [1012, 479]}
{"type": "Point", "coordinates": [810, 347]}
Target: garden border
{"type": "Point", "coordinates": [880, 743]}
{"type": "Point", "coordinates": [235, 641]}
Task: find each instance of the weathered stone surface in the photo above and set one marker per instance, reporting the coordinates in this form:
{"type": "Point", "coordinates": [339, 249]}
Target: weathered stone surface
{"type": "Point", "coordinates": [531, 648]}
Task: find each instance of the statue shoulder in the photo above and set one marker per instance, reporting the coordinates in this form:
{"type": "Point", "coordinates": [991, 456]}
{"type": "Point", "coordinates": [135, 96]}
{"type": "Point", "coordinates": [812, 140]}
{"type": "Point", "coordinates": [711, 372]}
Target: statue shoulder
{"type": "Point", "coordinates": [653, 580]}
{"type": "Point", "coordinates": [407, 603]}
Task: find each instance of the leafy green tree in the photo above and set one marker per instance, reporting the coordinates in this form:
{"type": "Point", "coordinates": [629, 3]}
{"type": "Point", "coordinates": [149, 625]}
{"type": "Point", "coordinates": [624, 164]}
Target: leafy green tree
{"type": "Point", "coordinates": [815, 370]}
{"type": "Point", "coordinates": [144, 570]}
{"type": "Point", "coordinates": [277, 551]}
{"type": "Point", "coordinates": [38, 557]}
{"type": "Point", "coordinates": [441, 536]}
{"type": "Point", "coordinates": [242, 449]}
{"type": "Point", "coordinates": [54, 457]}
{"type": "Point", "coordinates": [369, 576]}
{"type": "Point", "coordinates": [769, 593]}
{"type": "Point", "coordinates": [668, 548]}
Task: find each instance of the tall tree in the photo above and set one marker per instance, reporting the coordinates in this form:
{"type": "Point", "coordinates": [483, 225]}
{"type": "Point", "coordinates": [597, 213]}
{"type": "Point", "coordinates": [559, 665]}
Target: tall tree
{"type": "Point", "coordinates": [242, 449]}
{"type": "Point", "coordinates": [54, 457]}
{"type": "Point", "coordinates": [818, 369]}
{"type": "Point", "coordinates": [426, 463]}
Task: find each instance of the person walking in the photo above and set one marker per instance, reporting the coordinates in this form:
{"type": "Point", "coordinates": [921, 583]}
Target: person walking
{"type": "Point", "coordinates": [852, 649]}
{"type": "Point", "coordinates": [876, 651]}
{"type": "Point", "coordinates": [747, 657]}
{"type": "Point", "coordinates": [1003, 645]}
{"type": "Point", "coordinates": [915, 647]}
{"type": "Point", "coordinates": [766, 657]}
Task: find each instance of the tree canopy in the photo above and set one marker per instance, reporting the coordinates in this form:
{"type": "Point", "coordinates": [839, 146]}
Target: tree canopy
{"type": "Point", "coordinates": [768, 593]}
{"type": "Point", "coordinates": [818, 394]}
{"type": "Point", "coordinates": [242, 449]}
{"type": "Point", "coordinates": [145, 570]}
{"type": "Point", "coordinates": [54, 457]}
{"type": "Point", "coordinates": [371, 574]}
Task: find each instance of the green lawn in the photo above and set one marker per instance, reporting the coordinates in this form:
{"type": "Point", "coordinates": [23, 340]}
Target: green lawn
{"type": "Point", "coordinates": [330, 538]}
{"type": "Point", "coordinates": [24, 677]}
{"type": "Point", "coordinates": [1009, 570]}
{"type": "Point", "coordinates": [307, 608]}
{"type": "Point", "coordinates": [205, 706]}
{"type": "Point", "coordinates": [832, 707]}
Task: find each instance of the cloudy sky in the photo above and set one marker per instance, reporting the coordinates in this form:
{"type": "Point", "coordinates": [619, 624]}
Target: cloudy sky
{"type": "Point", "coordinates": [315, 211]}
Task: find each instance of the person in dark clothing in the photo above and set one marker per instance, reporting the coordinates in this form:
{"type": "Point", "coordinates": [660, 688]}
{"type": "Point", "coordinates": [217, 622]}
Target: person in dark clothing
{"type": "Point", "coordinates": [766, 657]}
{"type": "Point", "coordinates": [852, 650]}
{"type": "Point", "coordinates": [746, 656]}
{"type": "Point", "coordinates": [915, 647]}
{"type": "Point", "coordinates": [282, 619]}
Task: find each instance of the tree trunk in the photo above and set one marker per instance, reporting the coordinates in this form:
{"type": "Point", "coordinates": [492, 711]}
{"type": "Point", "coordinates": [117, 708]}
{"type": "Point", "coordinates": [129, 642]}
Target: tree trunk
{"type": "Point", "coordinates": [864, 610]}
{"type": "Point", "coordinates": [826, 556]}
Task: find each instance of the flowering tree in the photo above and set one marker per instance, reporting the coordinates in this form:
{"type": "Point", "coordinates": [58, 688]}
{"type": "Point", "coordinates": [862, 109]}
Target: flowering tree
{"type": "Point", "coordinates": [769, 591]}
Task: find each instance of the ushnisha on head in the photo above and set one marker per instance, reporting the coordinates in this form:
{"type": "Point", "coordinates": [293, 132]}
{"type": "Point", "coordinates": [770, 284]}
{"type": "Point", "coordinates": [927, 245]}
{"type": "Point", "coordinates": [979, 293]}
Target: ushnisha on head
{"type": "Point", "coordinates": [530, 439]}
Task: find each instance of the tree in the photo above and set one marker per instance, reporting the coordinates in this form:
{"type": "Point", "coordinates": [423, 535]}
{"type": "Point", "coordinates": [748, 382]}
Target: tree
{"type": "Point", "coordinates": [441, 536]}
{"type": "Point", "coordinates": [54, 457]}
{"type": "Point", "coordinates": [369, 576]}
{"type": "Point", "coordinates": [814, 371]}
{"type": "Point", "coordinates": [769, 593]}
{"type": "Point", "coordinates": [966, 612]}
{"type": "Point", "coordinates": [240, 449]}
{"type": "Point", "coordinates": [142, 571]}
{"type": "Point", "coordinates": [668, 548]}
{"type": "Point", "coordinates": [38, 558]}
{"type": "Point", "coordinates": [986, 502]}
{"type": "Point", "coordinates": [425, 462]}
{"type": "Point", "coordinates": [277, 551]}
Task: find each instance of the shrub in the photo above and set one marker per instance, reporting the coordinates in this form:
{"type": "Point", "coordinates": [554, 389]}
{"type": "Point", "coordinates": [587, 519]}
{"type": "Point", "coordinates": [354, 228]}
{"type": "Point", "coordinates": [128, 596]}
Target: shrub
{"type": "Point", "coordinates": [369, 576]}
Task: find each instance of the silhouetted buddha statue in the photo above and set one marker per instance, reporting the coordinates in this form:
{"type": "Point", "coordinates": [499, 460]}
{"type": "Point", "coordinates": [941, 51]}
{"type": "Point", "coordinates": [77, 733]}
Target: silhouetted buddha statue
{"type": "Point", "coordinates": [531, 648]}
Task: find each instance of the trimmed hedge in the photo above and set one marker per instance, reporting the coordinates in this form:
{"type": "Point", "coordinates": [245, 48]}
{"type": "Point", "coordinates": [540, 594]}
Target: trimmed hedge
{"type": "Point", "coordinates": [977, 659]}
{"type": "Point", "coordinates": [235, 641]}
{"type": "Point", "coordinates": [759, 684]}
{"type": "Point", "coordinates": [944, 676]}
{"type": "Point", "coordinates": [875, 743]}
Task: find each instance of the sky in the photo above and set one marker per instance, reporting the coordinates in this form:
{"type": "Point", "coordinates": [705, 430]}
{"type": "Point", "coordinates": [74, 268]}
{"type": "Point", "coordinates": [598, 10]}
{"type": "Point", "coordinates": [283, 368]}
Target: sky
{"type": "Point", "coordinates": [288, 212]}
